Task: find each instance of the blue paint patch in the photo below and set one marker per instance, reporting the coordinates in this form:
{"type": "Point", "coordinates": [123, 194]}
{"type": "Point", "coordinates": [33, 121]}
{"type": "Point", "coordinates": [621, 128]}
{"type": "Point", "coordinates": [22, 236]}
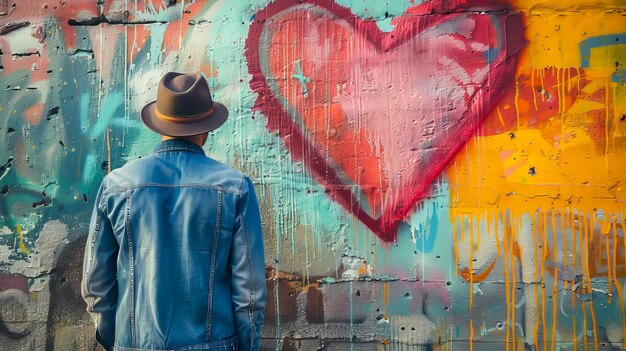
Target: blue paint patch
{"type": "Point", "coordinates": [434, 223]}
{"type": "Point", "coordinates": [596, 42]}
{"type": "Point", "coordinates": [427, 236]}
{"type": "Point", "coordinates": [491, 54]}
{"type": "Point", "coordinates": [604, 40]}
{"type": "Point", "coordinates": [619, 76]}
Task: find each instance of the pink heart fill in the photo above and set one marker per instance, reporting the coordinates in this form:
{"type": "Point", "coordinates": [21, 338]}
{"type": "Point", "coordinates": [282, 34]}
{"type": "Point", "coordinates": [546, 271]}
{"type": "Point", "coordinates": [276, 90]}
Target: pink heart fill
{"type": "Point", "coordinates": [376, 116]}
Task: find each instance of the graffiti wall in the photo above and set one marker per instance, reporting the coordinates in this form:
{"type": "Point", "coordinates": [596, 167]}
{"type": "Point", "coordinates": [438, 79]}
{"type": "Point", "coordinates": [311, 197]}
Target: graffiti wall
{"type": "Point", "coordinates": [433, 175]}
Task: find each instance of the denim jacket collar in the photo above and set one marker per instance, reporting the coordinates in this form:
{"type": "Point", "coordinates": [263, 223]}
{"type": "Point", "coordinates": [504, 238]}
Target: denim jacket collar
{"type": "Point", "coordinates": [177, 144]}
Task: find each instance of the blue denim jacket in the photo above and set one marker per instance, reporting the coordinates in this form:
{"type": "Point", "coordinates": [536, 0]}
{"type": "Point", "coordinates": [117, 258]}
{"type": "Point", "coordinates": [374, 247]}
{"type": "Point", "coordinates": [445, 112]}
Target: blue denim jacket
{"type": "Point", "coordinates": [174, 257]}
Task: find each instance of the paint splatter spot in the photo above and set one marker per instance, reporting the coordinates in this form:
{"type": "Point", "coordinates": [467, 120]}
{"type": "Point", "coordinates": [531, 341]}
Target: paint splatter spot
{"type": "Point", "coordinates": [10, 130]}
{"type": "Point", "coordinates": [61, 142]}
{"type": "Point", "coordinates": [4, 190]}
{"type": "Point", "coordinates": [586, 297]}
{"type": "Point", "coordinates": [532, 171]}
{"type": "Point", "coordinates": [104, 165]}
{"type": "Point", "coordinates": [40, 203]}
{"type": "Point", "coordinates": [623, 118]}
{"type": "Point", "coordinates": [6, 167]}
{"type": "Point", "coordinates": [84, 197]}
{"type": "Point", "coordinates": [512, 135]}
{"type": "Point", "coordinates": [52, 112]}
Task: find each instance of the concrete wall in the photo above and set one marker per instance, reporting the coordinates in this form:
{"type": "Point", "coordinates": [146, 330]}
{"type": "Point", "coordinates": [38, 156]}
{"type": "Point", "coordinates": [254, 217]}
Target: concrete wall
{"type": "Point", "coordinates": [434, 175]}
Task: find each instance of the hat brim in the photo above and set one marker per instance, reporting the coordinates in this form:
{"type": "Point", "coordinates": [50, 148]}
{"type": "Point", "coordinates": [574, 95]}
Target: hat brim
{"type": "Point", "coordinates": [214, 121]}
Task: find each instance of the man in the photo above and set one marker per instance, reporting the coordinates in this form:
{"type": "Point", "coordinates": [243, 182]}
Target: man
{"type": "Point", "coordinates": [174, 257]}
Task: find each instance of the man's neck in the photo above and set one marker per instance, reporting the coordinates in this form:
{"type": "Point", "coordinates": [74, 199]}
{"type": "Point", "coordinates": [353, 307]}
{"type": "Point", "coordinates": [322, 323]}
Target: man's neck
{"type": "Point", "coordinates": [196, 139]}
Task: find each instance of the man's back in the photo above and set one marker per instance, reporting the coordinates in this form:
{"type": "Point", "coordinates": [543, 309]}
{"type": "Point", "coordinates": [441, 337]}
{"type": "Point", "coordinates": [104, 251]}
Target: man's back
{"type": "Point", "coordinates": [183, 233]}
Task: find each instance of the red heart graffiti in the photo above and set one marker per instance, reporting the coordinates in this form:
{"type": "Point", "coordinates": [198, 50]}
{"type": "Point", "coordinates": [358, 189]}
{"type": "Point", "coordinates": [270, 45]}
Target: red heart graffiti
{"type": "Point", "coordinates": [376, 116]}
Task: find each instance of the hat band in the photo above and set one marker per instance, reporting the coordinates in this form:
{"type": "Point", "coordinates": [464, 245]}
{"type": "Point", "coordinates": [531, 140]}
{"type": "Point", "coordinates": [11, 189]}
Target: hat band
{"type": "Point", "coordinates": [188, 119]}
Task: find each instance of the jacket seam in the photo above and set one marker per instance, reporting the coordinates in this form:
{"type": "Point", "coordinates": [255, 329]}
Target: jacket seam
{"type": "Point", "coordinates": [119, 189]}
{"type": "Point", "coordinates": [216, 237]}
{"type": "Point", "coordinates": [243, 183]}
{"type": "Point", "coordinates": [92, 246]}
{"type": "Point", "coordinates": [252, 304]}
{"type": "Point", "coordinates": [102, 202]}
{"type": "Point", "coordinates": [132, 269]}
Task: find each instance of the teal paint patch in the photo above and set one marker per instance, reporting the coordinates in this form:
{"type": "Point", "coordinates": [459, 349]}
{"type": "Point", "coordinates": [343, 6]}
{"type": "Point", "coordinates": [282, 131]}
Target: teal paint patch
{"type": "Point", "coordinates": [428, 234]}
{"type": "Point", "coordinates": [377, 9]}
{"type": "Point", "coordinates": [299, 76]}
{"type": "Point", "coordinates": [84, 111]}
{"type": "Point", "coordinates": [385, 25]}
{"type": "Point", "coordinates": [156, 43]}
{"type": "Point", "coordinates": [112, 110]}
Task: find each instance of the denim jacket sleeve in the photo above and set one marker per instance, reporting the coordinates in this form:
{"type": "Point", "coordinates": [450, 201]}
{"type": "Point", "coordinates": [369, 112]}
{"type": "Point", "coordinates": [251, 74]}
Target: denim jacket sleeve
{"type": "Point", "coordinates": [99, 286]}
{"type": "Point", "coordinates": [247, 263]}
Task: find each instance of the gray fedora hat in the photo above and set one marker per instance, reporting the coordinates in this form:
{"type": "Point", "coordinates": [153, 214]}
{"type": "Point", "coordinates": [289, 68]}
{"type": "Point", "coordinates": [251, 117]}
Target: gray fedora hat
{"type": "Point", "coordinates": [183, 107]}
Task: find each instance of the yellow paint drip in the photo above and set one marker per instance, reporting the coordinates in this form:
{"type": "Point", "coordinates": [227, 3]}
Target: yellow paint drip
{"type": "Point", "coordinates": [22, 245]}
{"type": "Point", "coordinates": [554, 306]}
{"type": "Point", "coordinates": [471, 265]}
{"type": "Point", "coordinates": [514, 279]}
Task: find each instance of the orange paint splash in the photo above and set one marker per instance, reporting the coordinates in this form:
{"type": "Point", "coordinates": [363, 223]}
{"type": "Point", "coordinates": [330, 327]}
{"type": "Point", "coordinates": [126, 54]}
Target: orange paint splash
{"type": "Point", "coordinates": [477, 277]}
{"type": "Point", "coordinates": [471, 264]}
{"type": "Point", "coordinates": [33, 113]}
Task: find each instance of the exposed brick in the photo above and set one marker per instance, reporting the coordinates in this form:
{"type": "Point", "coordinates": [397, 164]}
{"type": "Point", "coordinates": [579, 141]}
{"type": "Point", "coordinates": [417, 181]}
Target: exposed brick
{"type": "Point", "coordinates": [287, 295]}
{"type": "Point", "coordinates": [315, 305]}
{"type": "Point", "coordinates": [268, 344]}
{"type": "Point", "coordinates": [309, 345]}
{"type": "Point", "coordinates": [69, 325]}
{"type": "Point", "coordinates": [343, 304]}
